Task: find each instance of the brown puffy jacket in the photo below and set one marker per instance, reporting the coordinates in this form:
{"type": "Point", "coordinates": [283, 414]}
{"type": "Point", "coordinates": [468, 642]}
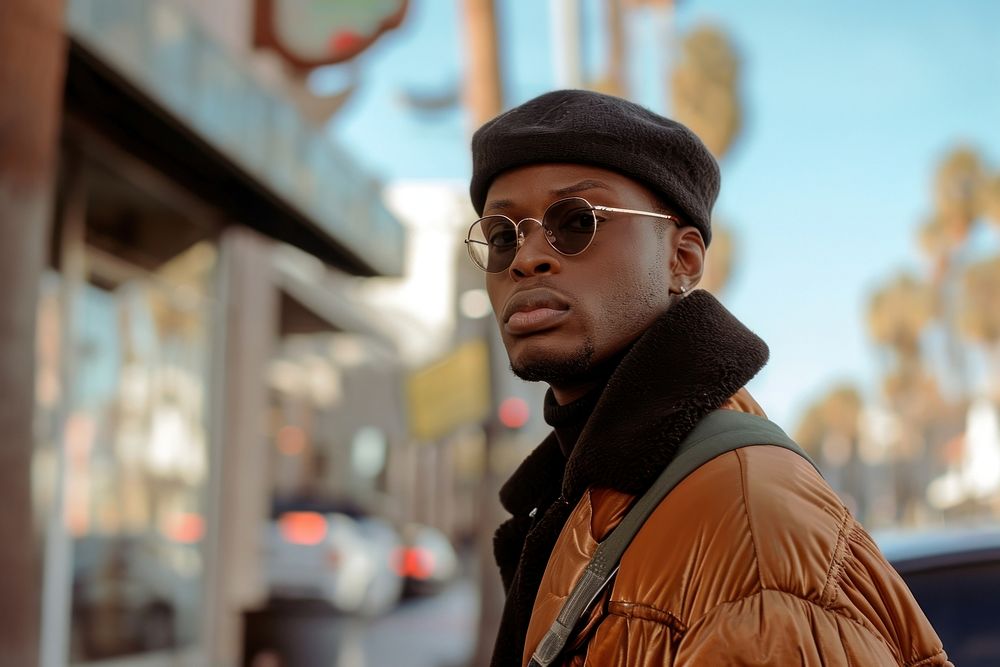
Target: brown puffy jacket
{"type": "Point", "coordinates": [751, 560]}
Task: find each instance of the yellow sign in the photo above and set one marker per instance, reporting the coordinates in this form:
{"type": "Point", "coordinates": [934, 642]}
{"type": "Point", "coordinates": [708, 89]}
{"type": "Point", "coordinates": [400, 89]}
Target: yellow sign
{"type": "Point", "coordinates": [451, 392]}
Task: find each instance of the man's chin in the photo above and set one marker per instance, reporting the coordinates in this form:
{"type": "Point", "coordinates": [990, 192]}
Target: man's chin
{"type": "Point", "coordinates": [555, 369]}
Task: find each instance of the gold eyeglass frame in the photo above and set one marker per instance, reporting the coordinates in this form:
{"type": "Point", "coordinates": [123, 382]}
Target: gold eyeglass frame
{"type": "Point", "coordinates": [594, 208]}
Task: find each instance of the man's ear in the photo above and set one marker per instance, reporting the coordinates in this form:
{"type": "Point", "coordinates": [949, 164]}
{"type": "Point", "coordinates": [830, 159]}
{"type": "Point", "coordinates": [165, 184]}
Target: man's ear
{"type": "Point", "coordinates": [687, 261]}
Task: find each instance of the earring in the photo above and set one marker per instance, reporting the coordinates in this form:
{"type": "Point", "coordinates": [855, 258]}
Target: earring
{"type": "Point", "coordinates": [683, 289]}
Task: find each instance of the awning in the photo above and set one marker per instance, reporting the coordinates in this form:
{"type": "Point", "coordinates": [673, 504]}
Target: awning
{"type": "Point", "coordinates": [147, 76]}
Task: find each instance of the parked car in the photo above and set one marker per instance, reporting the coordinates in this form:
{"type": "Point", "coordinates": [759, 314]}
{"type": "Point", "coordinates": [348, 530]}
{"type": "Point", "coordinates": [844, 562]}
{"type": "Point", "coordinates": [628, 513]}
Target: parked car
{"type": "Point", "coordinates": [426, 560]}
{"type": "Point", "coordinates": [334, 558]}
{"type": "Point", "coordinates": [133, 593]}
{"type": "Point", "coordinates": [955, 576]}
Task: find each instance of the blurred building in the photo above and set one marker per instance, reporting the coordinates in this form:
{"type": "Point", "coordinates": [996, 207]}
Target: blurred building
{"type": "Point", "coordinates": [197, 350]}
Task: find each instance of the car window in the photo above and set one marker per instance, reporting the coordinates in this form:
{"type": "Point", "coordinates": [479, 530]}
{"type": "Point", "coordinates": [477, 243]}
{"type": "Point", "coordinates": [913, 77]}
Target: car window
{"type": "Point", "coordinates": [963, 605]}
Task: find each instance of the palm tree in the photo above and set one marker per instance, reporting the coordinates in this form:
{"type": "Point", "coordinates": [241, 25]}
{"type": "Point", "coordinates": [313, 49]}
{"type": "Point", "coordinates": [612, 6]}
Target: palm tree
{"type": "Point", "coordinates": [936, 239]}
{"type": "Point", "coordinates": [719, 260]}
{"type": "Point", "coordinates": [958, 194]}
{"type": "Point", "coordinates": [956, 301]}
{"type": "Point", "coordinates": [706, 99]}
{"type": "Point", "coordinates": [989, 196]}
{"type": "Point", "coordinates": [835, 413]}
{"type": "Point", "coordinates": [810, 430]}
{"type": "Point", "coordinates": [898, 314]}
{"type": "Point", "coordinates": [704, 91]}
{"type": "Point", "coordinates": [979, 313]}
{"type": "Point", "coordinates": [957, 185]}
{"type": "Point", "coordinates": [830, 432]}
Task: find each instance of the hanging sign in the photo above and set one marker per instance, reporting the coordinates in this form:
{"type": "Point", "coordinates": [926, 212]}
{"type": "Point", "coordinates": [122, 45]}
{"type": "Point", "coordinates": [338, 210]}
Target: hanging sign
{"type": "Point", "coordinates": [312, 33]}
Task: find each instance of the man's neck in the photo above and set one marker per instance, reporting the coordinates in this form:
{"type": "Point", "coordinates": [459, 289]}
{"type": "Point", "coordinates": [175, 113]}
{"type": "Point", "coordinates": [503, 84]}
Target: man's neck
{"type": "Point", "coordinates": [565, 395]}
{"type": "Point", "coordinates": [581, 385]}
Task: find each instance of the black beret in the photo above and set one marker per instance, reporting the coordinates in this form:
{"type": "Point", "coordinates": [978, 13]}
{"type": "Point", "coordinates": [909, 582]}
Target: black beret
{"type": "Point", "coordinates": [584, 127]}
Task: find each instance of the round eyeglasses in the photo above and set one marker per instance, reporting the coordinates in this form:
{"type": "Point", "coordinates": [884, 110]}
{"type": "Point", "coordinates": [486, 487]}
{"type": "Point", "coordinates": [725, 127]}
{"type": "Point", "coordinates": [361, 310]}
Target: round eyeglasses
{"type": "Point", "coordinates": [569, 226]}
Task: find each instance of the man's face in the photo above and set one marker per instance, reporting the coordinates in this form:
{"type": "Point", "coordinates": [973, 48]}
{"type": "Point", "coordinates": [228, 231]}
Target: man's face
{"type": "Point", "coordinates": [561, 316]}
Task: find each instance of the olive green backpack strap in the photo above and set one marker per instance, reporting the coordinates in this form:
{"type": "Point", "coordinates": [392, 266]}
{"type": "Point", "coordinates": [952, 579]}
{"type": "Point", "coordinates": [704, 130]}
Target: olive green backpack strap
{"type": "Point", "coordinates": [719, 432]}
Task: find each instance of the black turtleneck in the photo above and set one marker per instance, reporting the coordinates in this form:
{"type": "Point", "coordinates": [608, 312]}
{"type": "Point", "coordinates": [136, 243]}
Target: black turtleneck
{"type": "Point", "coordinates": [568, 420]}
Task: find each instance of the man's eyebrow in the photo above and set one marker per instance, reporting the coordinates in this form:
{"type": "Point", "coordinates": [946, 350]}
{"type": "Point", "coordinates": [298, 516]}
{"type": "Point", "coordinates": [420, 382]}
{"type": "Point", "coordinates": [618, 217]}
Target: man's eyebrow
{"type": "Point", "coordinates": [587, 184]}
{"type": "Point", "coordinates": [499, 205]}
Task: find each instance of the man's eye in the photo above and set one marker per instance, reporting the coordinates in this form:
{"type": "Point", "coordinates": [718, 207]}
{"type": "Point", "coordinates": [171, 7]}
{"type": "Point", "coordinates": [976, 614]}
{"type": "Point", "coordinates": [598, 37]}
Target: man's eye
{"type": "Point", "coordinates": [502, 237]}
{"type": "Point", "coordinates": [578, 221]}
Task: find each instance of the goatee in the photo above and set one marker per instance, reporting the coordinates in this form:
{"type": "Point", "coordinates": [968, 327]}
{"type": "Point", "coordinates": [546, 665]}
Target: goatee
{"type": "Point", "coordinates": [575, 369]}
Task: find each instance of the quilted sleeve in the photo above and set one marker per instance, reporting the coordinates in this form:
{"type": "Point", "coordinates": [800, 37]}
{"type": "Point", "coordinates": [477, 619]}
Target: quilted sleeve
{"type": "Point", "coordinates": [776, 628]}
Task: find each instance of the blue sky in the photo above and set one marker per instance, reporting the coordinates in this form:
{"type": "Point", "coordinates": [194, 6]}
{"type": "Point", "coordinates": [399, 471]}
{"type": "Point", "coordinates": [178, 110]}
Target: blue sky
{"type": "Point", "coordinates": [848, 107]}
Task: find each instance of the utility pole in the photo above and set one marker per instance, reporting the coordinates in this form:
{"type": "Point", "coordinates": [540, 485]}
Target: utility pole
{"type": "Point", "coordinates": [483, 92]}
{"type": "Point", "coordinates": [32, 62]}
{"type": "Point", "coordinates": [567, 42]}
{"type": "Point", "coordinates": [483, 97]}
{"type": "Point", "coordinates": [617, 79]}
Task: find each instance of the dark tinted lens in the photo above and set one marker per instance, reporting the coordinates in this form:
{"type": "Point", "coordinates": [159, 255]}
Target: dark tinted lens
{"type": "Point", "coordinates": [570, 224]}
{"type": "Point", "coordinates": [492, 243]}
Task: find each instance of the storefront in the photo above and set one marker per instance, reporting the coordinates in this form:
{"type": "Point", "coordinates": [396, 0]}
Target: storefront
{"type": "Point", "coordinates": [160, 316]}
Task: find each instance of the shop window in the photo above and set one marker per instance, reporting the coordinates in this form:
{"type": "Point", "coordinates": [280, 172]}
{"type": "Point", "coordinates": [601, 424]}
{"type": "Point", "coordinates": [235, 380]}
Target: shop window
{"type": "Point", "coordinates": [136, 439]}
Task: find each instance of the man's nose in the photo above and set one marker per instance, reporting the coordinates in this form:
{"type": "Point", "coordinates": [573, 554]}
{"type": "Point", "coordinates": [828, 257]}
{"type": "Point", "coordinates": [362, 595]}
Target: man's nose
{"type": "Point", "coordinates": [535, 256]}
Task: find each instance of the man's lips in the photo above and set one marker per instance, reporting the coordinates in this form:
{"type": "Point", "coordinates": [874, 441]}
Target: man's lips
{"type": "Point", "coordinates": [533, 310]}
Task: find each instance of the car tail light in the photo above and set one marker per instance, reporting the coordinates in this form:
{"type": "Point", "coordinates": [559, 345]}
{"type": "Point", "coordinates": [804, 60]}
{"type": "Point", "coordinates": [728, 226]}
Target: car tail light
{"type": "Point", "coordinates": [307, 528]}
{"type": "Point", "coordinates": [414, 562]}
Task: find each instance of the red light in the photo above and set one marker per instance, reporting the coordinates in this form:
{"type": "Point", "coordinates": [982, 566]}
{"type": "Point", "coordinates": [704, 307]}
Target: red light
{"type": "Point", "coordinates": [413, 562]}
{"type": "Point", "coordinates": [306, 528]}
{"type": "Point", "coordinates": [514, 412]}
{"type": "Point", "coordinates": [291, 440]}
{"type": "Point", "coordinates": [186, 528]}
{"type": "Point", "coordinates": [345, 40]}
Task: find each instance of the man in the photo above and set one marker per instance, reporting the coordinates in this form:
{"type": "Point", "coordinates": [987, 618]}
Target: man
{"type": "Point", "coordinates": [596, 217]}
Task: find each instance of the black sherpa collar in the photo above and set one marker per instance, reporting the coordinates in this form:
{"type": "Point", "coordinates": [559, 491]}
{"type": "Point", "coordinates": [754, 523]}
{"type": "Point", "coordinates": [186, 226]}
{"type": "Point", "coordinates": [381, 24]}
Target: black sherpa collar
{"type": "Point", "coordinates": [688, 363]}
